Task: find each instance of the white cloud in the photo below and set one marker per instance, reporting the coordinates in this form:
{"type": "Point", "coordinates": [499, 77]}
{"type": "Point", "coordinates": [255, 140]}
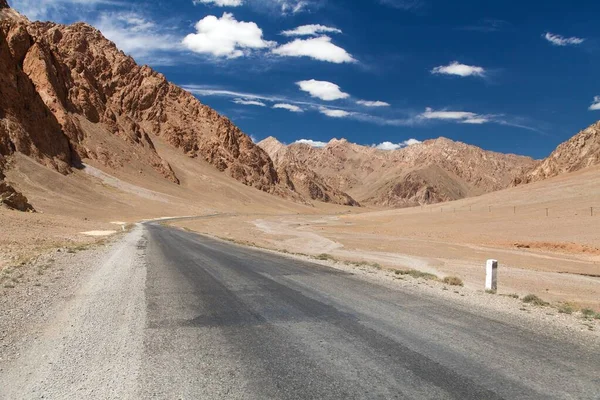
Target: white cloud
{"type": "Point", "coordinates": [310, 142]}
{"type": "Point", "coordinates": [559, 40]}
{"type": "Point", "coordinates": [289, 107]}
{"type": "Point", "coordinates": [220, 3]}
{"type": "Point", "coordinates": [292, 6]}
{"type": "Point", "coordinates": [323, 90]}
{"type": "Point", "coordinates": [56, 10]}
{"type": "Point", "coordinates": [458, 116]}
{"type": "Point", "coordinates": [334, 113]}
{"type": "Point", "coordinates": [319, 48]}
{"type": "Point", "coordinates": [476, 121]}
{"type": "Point", "coordinates": [396, 146]}
{"type": "Point", "coordinates": [225, 37]}
{"type": "Point", "coordinates": [202, 90]}
{"type": "Point", "coordinates": [456, 68]}
{"type": "Point", "coordinates": [136, 35]}
{"type": "Point", "coordinates": [596, 104]}
{"type": "Point", "coordinates": [378, 103]}
{"type": "Point", "coordinates": [246, 102]}
{"type": "Point", "coordinates": [310, 30]}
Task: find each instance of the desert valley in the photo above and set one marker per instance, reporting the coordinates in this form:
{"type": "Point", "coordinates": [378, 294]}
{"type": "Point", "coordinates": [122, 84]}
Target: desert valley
{"type": "Point", "coordinates": [84, 153]}
{"type": "Point", "coordinates": [91, 143]}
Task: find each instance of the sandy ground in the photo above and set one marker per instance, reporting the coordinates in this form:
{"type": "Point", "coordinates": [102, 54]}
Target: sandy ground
{"type": "Point", "coordinates": [555, 257]}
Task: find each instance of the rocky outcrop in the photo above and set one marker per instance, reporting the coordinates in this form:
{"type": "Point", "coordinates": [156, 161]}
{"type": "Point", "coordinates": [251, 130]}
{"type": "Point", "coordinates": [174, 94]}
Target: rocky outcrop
{"type": "Point", "coordinates": [9, 197]}
{"type": "Point", "coordinates": [430, 172]}
{"type": "Point", "coordinates": [579, 152]}
{"type": "Point", "coordinates": [299, 178]}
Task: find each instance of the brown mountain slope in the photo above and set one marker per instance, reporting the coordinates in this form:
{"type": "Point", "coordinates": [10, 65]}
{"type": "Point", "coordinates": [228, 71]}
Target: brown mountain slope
{"type": "Point", "coordinates": [430, 172]}
{"type": "Point", "coordinates": [67, 94]}
{"type": "Point", "coordinates": [301, 179]}
{"type": "Point", "coordinates": [581, 151]}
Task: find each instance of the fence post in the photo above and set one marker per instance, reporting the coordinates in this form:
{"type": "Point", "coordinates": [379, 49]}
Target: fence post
{"type": "Point", "coordinates": [491, 275]}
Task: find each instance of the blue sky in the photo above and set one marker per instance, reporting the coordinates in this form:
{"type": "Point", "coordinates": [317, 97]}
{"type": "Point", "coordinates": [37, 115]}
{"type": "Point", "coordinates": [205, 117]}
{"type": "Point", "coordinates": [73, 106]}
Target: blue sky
{"type": "Point", "coordinates": [509, 76]}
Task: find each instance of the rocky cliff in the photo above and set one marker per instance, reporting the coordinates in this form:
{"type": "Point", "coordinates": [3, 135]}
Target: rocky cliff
{"type": "Point", "coordinates": [581, 151]}
{"type": "Point", "coordinates": [295, 175]}
{"type": "Point", "coordinates": [67, 94]}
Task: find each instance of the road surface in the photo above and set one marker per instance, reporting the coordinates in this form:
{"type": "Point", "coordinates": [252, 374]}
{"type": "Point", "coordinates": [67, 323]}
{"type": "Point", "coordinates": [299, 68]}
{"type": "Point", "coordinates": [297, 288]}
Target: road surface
{"type": "Point", "coordinates": [173, 315]}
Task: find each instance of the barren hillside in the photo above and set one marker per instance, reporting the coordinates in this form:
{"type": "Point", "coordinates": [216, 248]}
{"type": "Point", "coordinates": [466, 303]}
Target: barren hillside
{"type": "Point", "coordinates": [68, 95]}
{"type": "Point", "coordinates": [430, 172]}
{"type": "Point", "coordinates": [579, 152]}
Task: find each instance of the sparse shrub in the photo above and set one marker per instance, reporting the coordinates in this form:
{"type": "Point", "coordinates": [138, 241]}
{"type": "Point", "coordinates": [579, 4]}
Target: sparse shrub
{"type": "Point", "coordinates": [588, 312]}
{"type": "Point", "coordinates": [513, 295]}
{"type": "Point", "coordinates": [533, 299]}
{"type": "Point", "coordinates": [324, 256]}
{"type": "Point", "coordinates": [453, 281]}
{"type": "Point", "coordinates": [490, 291]}
{"type": "Point", "coordinates": [597, 316]}
{"type": "Point", "coordinates": [566, 308]}
{"type": "Point", "coordinates": [418, 274]}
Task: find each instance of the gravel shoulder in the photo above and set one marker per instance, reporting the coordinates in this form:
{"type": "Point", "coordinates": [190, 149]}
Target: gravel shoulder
{"type": "Point", "coordinates": [76, 332]}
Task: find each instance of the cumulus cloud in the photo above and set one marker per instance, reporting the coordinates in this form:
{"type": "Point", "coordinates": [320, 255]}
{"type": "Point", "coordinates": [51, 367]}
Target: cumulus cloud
{"type": "Point", "coordinates": [319, 48]}
{"type": "Point", "coordinates": [220, 3]}
{"type": "Point", "coordinates": [247, 102]}
{"type": "Point", "coordinates": [310, 30]}
{"type": "Point", "coordinates": [334, 113]}
{"type": "Point", "coordinates": [289, 107]}
{"type": "Point", "coordinates": [310, 142]}
{"type": "Point", "coordinates": [559, 40]}
{"type": "Point", "coordinates": [596, 104]}
{"type": "Point", "coordinates": [378, 103]}
{"type": "Point", "coordinates": [458, 116]}
{"type": "Point", "coordinates": [456, 68]}
{"type": "Point", "coordinates": [323, 90]}
{"type": "Point", "coordinates": [396, 146]}
{"type": "Point", "coordinates": [225, 37]}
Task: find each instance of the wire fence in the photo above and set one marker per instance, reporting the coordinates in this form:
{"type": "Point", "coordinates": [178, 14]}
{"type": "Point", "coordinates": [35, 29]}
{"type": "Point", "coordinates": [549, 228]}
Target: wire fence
{"type": "Point", "coordinates": [591, 211]}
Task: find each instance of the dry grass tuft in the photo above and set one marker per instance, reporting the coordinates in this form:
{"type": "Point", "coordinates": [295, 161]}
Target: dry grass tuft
{"type": "Point", "coordinates": [536, 301]}
{"type": "Point", "coordinates": [453, 281]}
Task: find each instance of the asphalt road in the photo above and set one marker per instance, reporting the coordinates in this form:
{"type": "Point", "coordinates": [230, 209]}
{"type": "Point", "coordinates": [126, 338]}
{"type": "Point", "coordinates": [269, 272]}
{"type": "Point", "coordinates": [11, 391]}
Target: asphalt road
{"type": "Point", "coordinates": [229, 322]}
{"type": "Point", "coordinates": [173, 315]}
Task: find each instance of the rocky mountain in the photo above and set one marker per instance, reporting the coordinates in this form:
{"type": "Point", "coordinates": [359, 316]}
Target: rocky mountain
{"type": "Point", "coordinates": [68, 94]}
{"type": "Point", "coordinates": [581, 151]}
{"type": "Point", "coordinates": [297, 176]}
{"type": "Point", "coordinates": [430, 172]}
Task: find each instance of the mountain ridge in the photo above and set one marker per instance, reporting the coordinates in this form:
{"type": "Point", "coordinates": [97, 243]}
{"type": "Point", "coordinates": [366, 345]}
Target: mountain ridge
{"type": "Point", "coordinates": [435, 170]}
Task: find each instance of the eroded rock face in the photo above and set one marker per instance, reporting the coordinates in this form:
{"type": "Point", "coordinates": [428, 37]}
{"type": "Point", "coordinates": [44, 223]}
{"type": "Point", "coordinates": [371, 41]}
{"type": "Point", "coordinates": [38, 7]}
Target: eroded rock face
{"type": "Point", "coordinates": [581, 151]}
{"type": "Point", "coordinates": [299, 178]}
{"type": "Point", "coordinates": [9, 197]}
{"type": "Point", "coordinates": [67, 93]}
{"type": "Point", "coordinates": [431, 172]}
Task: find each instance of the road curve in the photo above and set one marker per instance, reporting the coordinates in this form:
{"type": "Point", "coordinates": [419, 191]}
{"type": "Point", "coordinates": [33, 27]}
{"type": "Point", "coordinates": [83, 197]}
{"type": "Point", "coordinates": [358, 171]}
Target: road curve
{"type": "Point", "coordinates": [204, 319]}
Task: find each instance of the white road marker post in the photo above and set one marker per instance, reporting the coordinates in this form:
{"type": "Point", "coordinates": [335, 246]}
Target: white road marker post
{"type": "Point", "coordinates": [491, 275]}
